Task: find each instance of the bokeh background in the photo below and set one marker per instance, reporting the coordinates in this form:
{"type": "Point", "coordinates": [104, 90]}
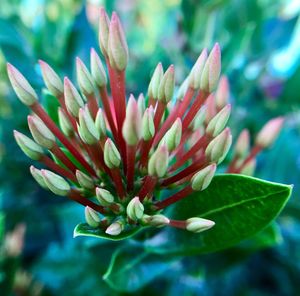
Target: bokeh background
{"type": "Point", "coordinates": [260, 42]}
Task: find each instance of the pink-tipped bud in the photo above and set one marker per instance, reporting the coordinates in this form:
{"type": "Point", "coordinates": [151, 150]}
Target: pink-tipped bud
{"type": "Point", "coordinates": [65, 123]}
{"type": "Point", "coordinates": [117, 45]}
{"type": "Point", "coordinates": [197, 225]}
{"type": "Point", "coordinates": [86, 128]}
{"type": "Point", "coordinates": [141, 103]}
{"type": "Point", "coordinates": [155, 220]}
{"type": "Point", "coordinates": [269, 132]}
{"type": "Point", "coordinates": [210, 108]}
{"type": "Point", "coordinates": [183, 89]}
{"type": "Point", "coordinates": [84, 78]}
{"type": "Point", "coordinates": [202, 179]}
{"type": "Point", "coordinates": [218, 123]}
{"type": "Point", "coordinates": [21, 86]}
{"type": "Point", "coordinates": [132, 127]}
{"type": "Point", "coordinates": [218, 148]}
{"type": "Point", "coordinates": [242, 144]}
{"type": "Point", "coordinates": [212, 69]}
{"type": "Point", "coordinates": [28, 146]}
{"type": "Point", "coordinates": [56, 183]}
{"type": "Point", "coordinates": [155, 81]}
{"type": "Point", "coordinates": [73, 99]}
{"type": "Point", "coordinates": [100, 123]}
{"type": "Point", "coordinates": [104, 197]}
{"type": "Point", "coordinates": [97, 69]}
{"type": "Point", "coordinates": [84, 180]}
{"type": "Point", "coordinates": [196, 72]}
{"type": "Point", "coordinates": [249, 168]}
{"type": "Point", "coordinates": [112, 156]}
{"type": "Point", "coordinates": [52, 80]}
{"type": "Point", "coordinates": [40, 132]}
{"type": "Point", "coordinates": [159, 161]}
{"type": "Point", "coordinates": [91, 217]}
{"type": "Point", "coordinates": [103, 31]}
{"type": "Point", "coordinates": [199, 119]}
{"type": "Point", "coordinates": [148, 128]}
{"type": "Point", "coordinates": [115, 228]}
{"type": "Point", "coordinates": [135, 209]}
{"type": "Point", "coordinates": [222, 93]}
{"type": "Point", "coordinates": [38, 177]}
{"type": "Point", "coordinates": [173, 135]}
{"type": "Point", "coordinates": [166, 86]}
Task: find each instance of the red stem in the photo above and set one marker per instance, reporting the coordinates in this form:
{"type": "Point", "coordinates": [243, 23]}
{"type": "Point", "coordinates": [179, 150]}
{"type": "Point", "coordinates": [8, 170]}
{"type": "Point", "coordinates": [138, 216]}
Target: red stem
{"type": "Point", "coordinates": [63, 158]}
{"type": "Point", "coordinates": [39, 111]}
{"type": "Point", "coordinates": [131, 150]}
{"type": "Point", "coordinates": [178, 224]}
{"type": "Point", "coordinates": [76, 196]}
{"type": "Point", "coordinates": [144, 151]}
{"type": "Point", "coordinates": [147, 187]}
{"type": "Point", "coordinates": [159, 112]}
{"type": "Point", "coordinates": [117, 179]}
{"type": "Point", "coordinates": [93, 105]}
{"type": "Point", "coordinates": [186, 102]}
{"type": "Point", "coordinates": [108, 112]}
{"type": "Point", "coordinates": [174, 198]}
{"type": "Point", "coordinates": [185, 172]}
{"type": "Point", "coordinates": [58, 169]}
{"type": "Point", "coordinates": [201, 143]}
{"type": "Point", "coordinates": [199, 101]}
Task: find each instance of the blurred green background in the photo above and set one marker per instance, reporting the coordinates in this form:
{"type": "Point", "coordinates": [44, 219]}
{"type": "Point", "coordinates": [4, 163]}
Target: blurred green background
{"type": "Point", "coordinates": [260, 41]}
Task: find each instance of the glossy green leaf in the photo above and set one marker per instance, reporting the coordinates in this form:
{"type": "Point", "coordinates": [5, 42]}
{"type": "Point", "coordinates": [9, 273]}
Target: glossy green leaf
{"type": "Point", "coordinates": [132, 268]}
{"type": "Point", "coordinates": [84, 229]}
{"type": "Point", "coordinates": [240, 206]}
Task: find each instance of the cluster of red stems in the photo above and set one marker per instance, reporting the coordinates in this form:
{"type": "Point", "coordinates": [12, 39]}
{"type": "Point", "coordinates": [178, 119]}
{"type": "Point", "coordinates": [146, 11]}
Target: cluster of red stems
{"type": "Point", "coordinates": [118, 155]}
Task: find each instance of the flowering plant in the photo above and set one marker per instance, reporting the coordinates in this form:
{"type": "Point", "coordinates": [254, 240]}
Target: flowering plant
{"type": "Point", "coordinates": [127, 161]}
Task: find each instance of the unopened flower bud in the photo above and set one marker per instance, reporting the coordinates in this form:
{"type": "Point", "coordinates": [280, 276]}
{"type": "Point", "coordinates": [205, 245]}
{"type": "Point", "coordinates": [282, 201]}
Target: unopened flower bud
{"type": "Point", "coordinates": [65, 123]}
{"type": "Point", "coordinates": [148, 128]}
{"type": "Point", "coordinates": [84, 180]}
{"type": "Point", "coordinates": [242, 144]}
{"type": "Point", "coordinates": [218, 148]}
{"type": "Point", "coordinates": [219, 121]}
{"type": "Point", "coordinates": [183, 89]}
{"type": "Point", "coordinates": [56, 183]}
{"type": "Point", "coordinates": [112, 156]}
{"type": "Point", "coordinates": [196, 72]}
{"type": "Point", "coordinates": [155, 220]}
{"type": "Point", "coordinates": [166, 86]}
{"type": "Point", "coordinates": [73, 99]}
{"type": "Point", "coordinates": [117, 45]}
{"type": "Point", "coordinates": [199, 119]}
{"type": "Point", "coordinates": [104, 197]}
{"type": "Point", "coordinates": [141, 103]}
{"type": "Point", "coordinates": [210, 108]}
{"type": "Point", "coordinates": [135, 209]}
{"type": "Point", "coordinates": [87, 129]}
{"type": "Point", "coordinates": [40, 132]}
{"type": "Point", "coordinates": [155, 81]}
{"type": "Point", "coordinates": [159, 161]}
{"type": "Point", "coordinates": [212, 69]}
{"type": "Point", "coordinates": [38, 177]}
{"type": "Point", "coordinates": [103, 31]}
{"type": "Point", "coordinates": [97, 69]}
{"type": "Point", "coordinates": [21, 86]}
{"type": "Point", "coordinates": [202, 179]}
{"type": "Point", "coordinates": [84, 78]}
{"type": "Point", "coordinates": [222, 93]}
{"type": "Point", "coordinates": [91, 216]}
{"type": "Point", "coordinates": [52, 80]}
{"type": "Point", "coordinates": [173, 135]}
{"type": "Point", "coordinates": [197, 225]}
{"type": "Point", "coordinates": [115, 228]}
{"type": "Point", "coordinates": [100, 123]}
{"type": "Point", "coordinates": [268, 134]}
{"type": "Point", "coordinates": [249, 168]}
{"type": "Point", "coordinates": [132, 124]}
{"type": "Point", "coordinates": [28, 146]}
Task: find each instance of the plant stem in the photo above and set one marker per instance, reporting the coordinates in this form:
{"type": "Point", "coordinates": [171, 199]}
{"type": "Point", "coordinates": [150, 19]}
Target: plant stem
{"type": "Point", "coordinates": [131, 150]}
{"type": "Point", "coordinates": [147, 187]}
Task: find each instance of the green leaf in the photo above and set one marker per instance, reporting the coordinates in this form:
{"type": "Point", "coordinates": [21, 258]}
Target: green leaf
{"type": "Point", "coordinates": [241, 206]}
{"type": "Point", "coordinates": [2, 217]}
{"type": "Point", "coordinates": [132, 268]}
{"type": "Point", "coordinates": [84, 229]}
